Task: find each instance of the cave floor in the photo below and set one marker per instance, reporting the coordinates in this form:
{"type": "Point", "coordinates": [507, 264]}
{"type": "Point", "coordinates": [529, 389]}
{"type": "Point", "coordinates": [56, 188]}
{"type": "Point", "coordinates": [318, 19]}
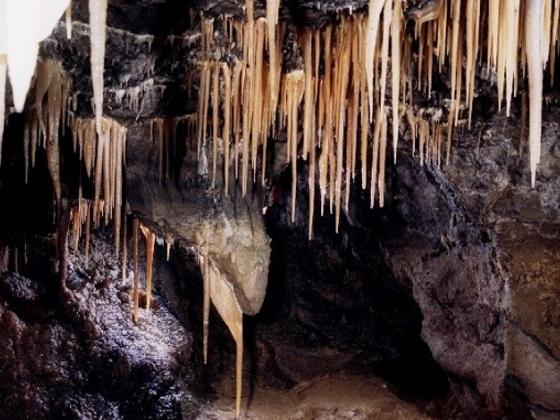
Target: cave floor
{"type": "Point", "coordinates": [335, 396]}
{"type": "Point", "coordinates": [87, 359]}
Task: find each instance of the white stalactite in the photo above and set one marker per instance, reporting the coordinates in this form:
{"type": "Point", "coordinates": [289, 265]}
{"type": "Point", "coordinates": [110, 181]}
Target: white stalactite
{"type": "Point", "coordinates": [98, 26]}
{"type": "Point", "coordinates": [69, 21]}
{"type": "Point", "coordinates": [23, 24]}
{"type": "Point", "coordinates": [533, 48]}
{"type": "Point", "coordinates": [372, 29]}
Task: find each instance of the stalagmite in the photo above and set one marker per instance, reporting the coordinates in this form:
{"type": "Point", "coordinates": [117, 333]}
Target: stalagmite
{"type": "Point", "coordinates": [150, 238]}
{"type": "Point", "coordinates": [204, 263]}
{"type": "Point", "coordinates": [534, 51]}
{"type": "Point", "coordinates": [523, 123]}
{"type": "Point", "coordinates": [88, 231]}
{"type": "Point", "coordinates": [76, 222]}
{"type": "Point", "coordinates": [62, 239]}
{"type": "Point", "coordinates": [136, 291]}
{"type": "Point", "coordinates": [97, 24]}
{"type": "Point", "coordinates": [223, 298]}
{"type": "Point", "coordinates": [124, 254]}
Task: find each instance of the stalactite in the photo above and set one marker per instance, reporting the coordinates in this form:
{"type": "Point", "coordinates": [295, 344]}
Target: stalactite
{"type": "Point", "coordinates": [161, 136]}
{"type": "Point", "coordinates": [169, 241]}
{"type": "Point", "coordinates": [104, 158]}
{"type": "Point", "coordinates": [215, 119]}
{"type": "Point", "coordinates": [494, 8]}
{"type": "Point", "coordinates": [326, 118]}
{"type": "Point", "coordinates": [364, 131]}
{"type": "Point", "coordinates": [455, 58]}
{"type": "Point", "coordinates": [246, 133]}
{"type": "Point", "coordinates": [295, 85]}
{"type": "Point", "coordinates": [68, 22]}
{"type": "Point", "coordinates": [227, 124]}
{"type": "Point", "coordinates": [554, 40]}
{"type": "Point", "coordinates": [533, 39]}
{"type": "Point", "coordinates": [24, 25]}
{"type": "Point", "coordinates": [396, 71]}
{"type": "Point", "coordinates": [341, 100]}
{"type": "Point", "coordinates": [382, 154]}
{"type": "Point", "coordinates": [472, 35]}
{"type": "Point", "coordinates": [257, 126]}
{"type": "Point", "coordinates": [308, 124]}
{"type": "Point", "coordinates": [49, 90]}
{"type": "Point", "coordinates": [308, 98]}
{"type": "Point", "coordinates": [97, 23]}
{"type": "Point", "coordinates": [237, 94]}
{"type": "Point", "coordinates": [220, 292]}
{"type": "Point", "coordinates": [375, 155]}
{"type": "Point", "coordinates": [272, 8]}
{"type": "Point", "coordinates": [343, 64]}
{"type": "Point", "coordinates": [374, 15]}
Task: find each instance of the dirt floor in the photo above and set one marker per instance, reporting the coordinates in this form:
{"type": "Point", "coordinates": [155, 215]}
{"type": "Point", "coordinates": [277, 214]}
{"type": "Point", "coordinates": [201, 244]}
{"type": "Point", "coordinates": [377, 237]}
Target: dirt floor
{"type": "Point", "coordinates": [340, 396]}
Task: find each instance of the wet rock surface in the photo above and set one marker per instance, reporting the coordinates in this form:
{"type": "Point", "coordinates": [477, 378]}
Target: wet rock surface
{"type": "Point", "coordinates": [84, 357]}
{"type": "Point", "coordinates": [524, 225]}
{"type": "Point", "coordinates": [479, 249]}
